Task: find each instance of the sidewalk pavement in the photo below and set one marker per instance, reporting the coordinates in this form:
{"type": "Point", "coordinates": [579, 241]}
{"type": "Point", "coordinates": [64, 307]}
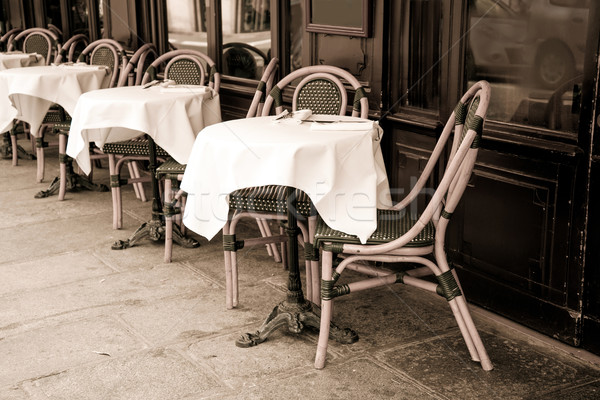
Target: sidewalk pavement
{"type": "Point", "coordinates": [81, 321]}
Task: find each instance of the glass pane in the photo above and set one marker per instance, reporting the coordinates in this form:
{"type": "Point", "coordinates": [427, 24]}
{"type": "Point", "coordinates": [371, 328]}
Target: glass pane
{"type": "Point", "coordinates": [79, 17]}
{"type": "Point", "coordinates": [422, 74]}
{"type": "Point", "coordinates": [53, 16]}
{"type": "Point", "coordinates": [246, 37]}
{"type": "Point", "coordinates": [187, 24]}
{"type": "Point", "coordinates": [295, 34]}
{"type": "Point", "coordinates": [532, 52]}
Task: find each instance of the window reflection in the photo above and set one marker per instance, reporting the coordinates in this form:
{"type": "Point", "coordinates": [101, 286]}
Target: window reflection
{"type": "Point", "coordinates": [532, 52]}
{"type": "Point", "coordinates": [246, 37]}
{"type": "Point", "coordinates": [79, 17]}
{"type": "Point", "coordinates": [296, 31]}
{"type": "Point", "coordinates": [187, 24]}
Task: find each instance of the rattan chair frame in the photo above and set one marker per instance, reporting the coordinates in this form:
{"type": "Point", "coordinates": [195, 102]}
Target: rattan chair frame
{"type": "Point", "coordinates": [168, 62]}
{"type": "Point", "coordinates": [421, 241]}
{"type": "Point", "coordinates": [333, 77]}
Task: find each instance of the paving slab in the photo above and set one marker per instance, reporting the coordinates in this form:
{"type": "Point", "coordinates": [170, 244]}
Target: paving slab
{"type": "Point", "coordinates": [45, 272]}
{"type": "Point", "coordinates": [520, 370]}
{"type": "Point", "coordinates": [159, 373]}
{"type": "Point", "coordinates": [192, 316]}
{"type": "Point", "coordinates": [282, 355]}
{"type": "Point", "coordinates": [53, 349]}
{"type": "Point", "coordinates": [126, 288]}
{"type": "Point", "coordinates": [353, 379]}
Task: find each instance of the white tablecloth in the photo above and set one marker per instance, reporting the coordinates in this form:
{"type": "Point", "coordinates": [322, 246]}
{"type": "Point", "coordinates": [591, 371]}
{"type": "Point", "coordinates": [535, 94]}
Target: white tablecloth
{"type": "Point", "coordinates": [171, 116]}
{"type": "Point", "coordinates": [27, 93]}
{"type": "Point", "coordinates": [17, 60]}
{"type": "Point", "coordinates": [342, 171]}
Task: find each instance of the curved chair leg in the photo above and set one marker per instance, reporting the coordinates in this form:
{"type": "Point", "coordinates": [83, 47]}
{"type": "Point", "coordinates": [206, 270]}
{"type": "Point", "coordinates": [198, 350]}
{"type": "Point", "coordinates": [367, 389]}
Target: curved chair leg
{"type": "Point", "coordinates": [132, 174]}
{"type": "Point", "coordinates": [62, 150]}
{"type": "Point", "coordinates": [313, 260]}
{"type": "Point", "coordinates": [115, 191]}
{"type": "Point", "coordinates": [40, 154]}
{"type": "Point", "coordinates": [228, 272]}
{"type": "Point", "coordinates": [134, 171]}
{"type": "Point", "coordinates": [326, 311]}
{"type": "Point", "coordinates": [265, 231]}
{"type": "Point", "coordinates": [14, 146]}
{"type": "Point", "coordinates": [168, 223]}
{"type": "Point", "coordinates": [463, 317]}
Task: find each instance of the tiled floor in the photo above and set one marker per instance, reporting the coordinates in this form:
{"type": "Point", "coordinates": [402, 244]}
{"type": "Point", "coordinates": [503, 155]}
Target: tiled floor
{"type": "Point", "coordinates": [81, 321]}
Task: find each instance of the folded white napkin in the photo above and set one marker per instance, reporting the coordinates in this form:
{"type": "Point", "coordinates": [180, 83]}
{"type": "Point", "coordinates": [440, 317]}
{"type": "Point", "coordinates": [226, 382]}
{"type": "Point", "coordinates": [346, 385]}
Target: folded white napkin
{"type": "Point", "coordinates": [342, 126]}
{"type": "Point", "coordinates": [293, 118]}
{"type": "Point", "coordinates": [180, 88]}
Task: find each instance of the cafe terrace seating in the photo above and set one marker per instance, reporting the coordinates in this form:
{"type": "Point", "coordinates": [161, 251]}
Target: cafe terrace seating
{"type": "Point", "coordinates": [45, 43]}
{"type": "Point", "coordinates": [8, 37]}
{"type": "Point", "coordinates": [321, 90]}
{"type": "Point", "coordinates": [72, 48]}
{"type": "Point", "coordinates": [37, 40]}
{"type": "Point", "coordinates": [172, 172]}
{"type": "Point", "coordinates": [106, 52]}
{"type": "Point", "coordinates": [404, 236]}
{"type": "Point", "coordinates": [185, 67]}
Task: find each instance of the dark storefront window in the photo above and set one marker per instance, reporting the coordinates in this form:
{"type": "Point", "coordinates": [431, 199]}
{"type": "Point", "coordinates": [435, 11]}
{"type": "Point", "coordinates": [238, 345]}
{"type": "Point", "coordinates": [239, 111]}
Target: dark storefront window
{"type": "Point", "coordinates": [419, 60]}
{"type": "Point", "coordinates": [532, 53]}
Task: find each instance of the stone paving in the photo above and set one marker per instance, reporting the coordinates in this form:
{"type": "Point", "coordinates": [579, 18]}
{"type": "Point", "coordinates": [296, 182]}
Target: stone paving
{"type": "Point", "coordinates": [81, 321]}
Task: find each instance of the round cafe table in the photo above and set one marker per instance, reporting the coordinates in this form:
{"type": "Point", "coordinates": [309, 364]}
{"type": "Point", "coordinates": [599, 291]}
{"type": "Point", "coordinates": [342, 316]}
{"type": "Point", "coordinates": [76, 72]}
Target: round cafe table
{"type": "Point", "coordinates": [336, 161]}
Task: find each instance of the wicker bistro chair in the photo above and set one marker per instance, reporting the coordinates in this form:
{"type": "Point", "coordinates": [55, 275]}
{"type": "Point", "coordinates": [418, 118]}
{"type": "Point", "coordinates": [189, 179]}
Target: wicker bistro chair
{"type": "Point", "coordinates": [72, 48]}
{"type": "Point", "coordinates": [187, 67]}
{"type": "Point", "coordinates": [320, 89]}
{"type": "Point", "coordinates": [37, 40]}
{"type": "Point", "coordinates": [8, 37]}
{"type": "Point", "coordinates": [45, 43]}
{"type": "Point", "coordinates": [406, 237]}
{"type": "Point", "coordinates": [105, 52]}
{"type": "Point", "coordinates": [172, 173]}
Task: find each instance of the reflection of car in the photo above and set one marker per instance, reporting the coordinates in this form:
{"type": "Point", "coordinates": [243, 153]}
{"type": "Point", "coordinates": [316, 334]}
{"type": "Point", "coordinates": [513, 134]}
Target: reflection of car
{"type": "Point", "coordinates": [511, 39]}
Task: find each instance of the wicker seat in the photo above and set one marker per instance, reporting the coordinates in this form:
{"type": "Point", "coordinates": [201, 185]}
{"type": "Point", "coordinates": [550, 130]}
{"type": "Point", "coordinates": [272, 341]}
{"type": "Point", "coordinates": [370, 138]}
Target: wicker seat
{"type": "Point", "coordinates": [403, 237]}
{"type": "Point", "coordinates": [172, 172]}
{"type": "Point", "coordinates": [106, 52]}
{"type": "Point", "coordinates": [183, 67]}
{"type": "Point", "coordinates": [320, 89]}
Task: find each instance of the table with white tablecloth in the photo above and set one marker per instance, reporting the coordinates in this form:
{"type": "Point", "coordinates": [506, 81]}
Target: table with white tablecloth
{"type": "Point", "coordinates": [27, 94]}
{"type": "Point", "coordinates": [172, 116]}
{"type": "Point", "coordinates": [338, 164]}
{"type": "Point", "coordinates": [17, 59]}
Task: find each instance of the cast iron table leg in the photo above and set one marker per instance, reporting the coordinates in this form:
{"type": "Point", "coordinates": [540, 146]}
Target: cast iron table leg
{"type": "Point", "coordinates": [75, 182]}
{"type": "Point", "coordinates": [295, 312]}
{"type": "Point", "coordinates": [155, 228]}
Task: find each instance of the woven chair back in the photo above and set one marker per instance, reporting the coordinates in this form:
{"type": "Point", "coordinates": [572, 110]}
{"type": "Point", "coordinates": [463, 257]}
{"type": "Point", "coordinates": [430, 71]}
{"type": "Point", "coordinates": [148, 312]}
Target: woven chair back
{"type": "Point", "coordinates": [72, 48]}
{"type": "Point", "coordinates": [323, 89]}
{"type": "Point", "coordinates": [106, 52]}
{"type": "Point", "coordinates": [185, 70]}
{"type": "Point", "coordinates": [38, 40]}
{"type": "Point", "coordinates": [186, 65]}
